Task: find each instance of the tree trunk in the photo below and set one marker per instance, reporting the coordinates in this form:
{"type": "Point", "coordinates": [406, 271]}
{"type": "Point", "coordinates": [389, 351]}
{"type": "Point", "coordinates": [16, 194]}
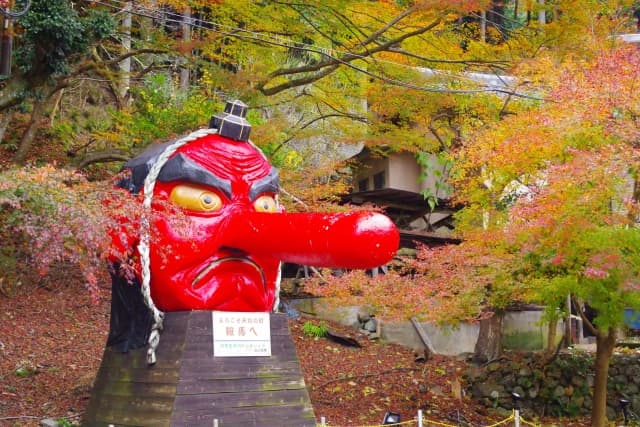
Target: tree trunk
{"type": "Point", "coordinates": [604, 349]}
{"type": "Point", "coordinates": [568, 335]}
{"type": "Point", "coordinates": [7, 46]}
{"type": "Point", "coordinates": [495, 17]}
{"type": "Point", "coordinates": [56, 106]}
{"type": "Point", "coordinates": [13, 93]}
{"type": "Point", "coordinates": [102, 156]}
{"type": "Point", "coordinates": [145, 23]}
{"type": "Point", "coordinates": [29, 135]}
{"type": "Point", "coordinates": [125, 65]}
{"type": "Point", "coordinates": [7, 115]}
{"type": "Point", "coordinates": [489, 344]}
{"type": "Point", "coordinates": [552, 334]}
{"type": "Point", "coordinates": [542, 14]}
{"type": "Point", "coordinates": [186, 39]}
{"type": "Point", "coordinates": [636, 195]}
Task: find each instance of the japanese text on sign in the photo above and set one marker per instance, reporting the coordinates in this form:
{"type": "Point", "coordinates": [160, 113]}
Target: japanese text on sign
{"type": "Point", "coordinates": [241, 334]}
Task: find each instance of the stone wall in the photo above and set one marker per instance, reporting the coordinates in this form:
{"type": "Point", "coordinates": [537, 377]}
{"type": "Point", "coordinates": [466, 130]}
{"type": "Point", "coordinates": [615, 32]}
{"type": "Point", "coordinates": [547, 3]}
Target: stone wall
{"type": "Point", "coordinates": [522, 330]}
{"type": "Point", "coordinates": [562, 388]}
{"type": "Point", "coordinates": [526, 330]}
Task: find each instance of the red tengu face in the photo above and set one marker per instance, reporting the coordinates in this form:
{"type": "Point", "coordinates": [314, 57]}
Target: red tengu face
{"type": "Point", "coordinates": [195, 262]}
{"type": "Point", "coordinates": [224, 251]}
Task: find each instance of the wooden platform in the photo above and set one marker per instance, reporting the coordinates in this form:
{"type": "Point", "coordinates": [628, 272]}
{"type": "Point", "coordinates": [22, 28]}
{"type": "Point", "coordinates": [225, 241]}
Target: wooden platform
{"type": "Point", "coordinates": [188, 386]}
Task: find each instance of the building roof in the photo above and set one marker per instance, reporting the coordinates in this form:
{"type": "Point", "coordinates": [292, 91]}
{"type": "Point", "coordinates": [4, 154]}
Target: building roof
{"type": "Point", "coordinates": [404, 207]}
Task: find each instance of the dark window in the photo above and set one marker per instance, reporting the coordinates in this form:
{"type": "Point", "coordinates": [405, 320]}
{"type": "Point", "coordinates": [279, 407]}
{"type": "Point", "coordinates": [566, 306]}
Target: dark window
{"type": "Point", "coordinates": [378, 181]}
{"type": "Point", "coordinates": [363, 185]}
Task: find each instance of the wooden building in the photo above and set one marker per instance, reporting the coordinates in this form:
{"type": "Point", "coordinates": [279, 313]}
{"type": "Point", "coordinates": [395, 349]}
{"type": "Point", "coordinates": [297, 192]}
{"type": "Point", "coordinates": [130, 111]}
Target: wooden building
{"type": "Point", "coordinates": [394, 182]}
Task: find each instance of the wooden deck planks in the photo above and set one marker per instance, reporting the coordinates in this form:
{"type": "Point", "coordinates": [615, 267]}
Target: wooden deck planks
{"type": "Point", "coordinates": [241, 391]}
{"type": "Point", "coordinates": [127, 392]}
{"type": "Point", "coordinates": [188, 386]}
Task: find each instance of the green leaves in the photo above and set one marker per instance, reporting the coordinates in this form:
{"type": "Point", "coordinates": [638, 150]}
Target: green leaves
{"type": "Point", "coordinates": [312, 329]}
{"type": "Point", "coordinates": [434, 176]}
{"type": "Point", "coordinates": [98, 25]}
{"type": "Point", "coordinates": [160, 111]}
{"type": "Point", "coordinates": [25, 369]}
{"type": "Point", "coordinates": [54, 31]}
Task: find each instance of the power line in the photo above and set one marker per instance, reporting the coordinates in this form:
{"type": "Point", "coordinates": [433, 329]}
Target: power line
{"type": "Point", "coordinates": [253, 36]}
{"type": "Point", "coordinates": [235, 31]}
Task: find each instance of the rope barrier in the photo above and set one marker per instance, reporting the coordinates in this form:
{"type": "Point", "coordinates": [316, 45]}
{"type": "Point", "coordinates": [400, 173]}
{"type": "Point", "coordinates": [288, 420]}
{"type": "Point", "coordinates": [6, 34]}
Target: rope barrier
{"type": "Point", "coordinates": [523, 421]}
{"type": "Point", "coordinates": [511, 417]}
{"type": "Point", "coordinates": [438, 423]}
{"type": "Point", "coordinates": [403, 423]}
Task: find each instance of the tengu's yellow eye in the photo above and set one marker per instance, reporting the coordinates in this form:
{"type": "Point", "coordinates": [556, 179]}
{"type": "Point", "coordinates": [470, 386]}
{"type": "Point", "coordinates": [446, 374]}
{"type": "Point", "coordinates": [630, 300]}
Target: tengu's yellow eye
{"type": "Point", "coordinates": [265, 204]}
{"type": "Point", "coordinates": [195, 199]}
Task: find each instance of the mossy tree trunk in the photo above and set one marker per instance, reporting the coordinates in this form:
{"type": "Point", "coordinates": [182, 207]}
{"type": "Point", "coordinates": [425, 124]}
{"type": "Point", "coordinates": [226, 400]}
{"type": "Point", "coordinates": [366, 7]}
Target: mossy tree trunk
{"type": "Point", "coordinates": [489, 344]}
{"type": "Point", "coordinates": [552, 334]}
{"type": "Point", "coordinates": [29, 134]}
{"type": "Point", "coordinates": [7, 116]}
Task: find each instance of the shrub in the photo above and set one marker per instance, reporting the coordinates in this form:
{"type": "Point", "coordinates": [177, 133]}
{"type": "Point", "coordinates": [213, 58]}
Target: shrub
{"type": "Point", "coordinates": [55, 217]}
{"type": "Point", "coordinates": [50, 216]}
{"type": "Point", "coordinates": [160, 112]}
{"type": "Point", "coordinates": [315, 330]}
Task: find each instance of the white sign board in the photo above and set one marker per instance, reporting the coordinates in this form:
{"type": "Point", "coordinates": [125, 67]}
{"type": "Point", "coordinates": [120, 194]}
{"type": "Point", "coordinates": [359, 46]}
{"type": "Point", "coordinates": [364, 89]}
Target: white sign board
{"type": "Point", "coordinates": [241, 334]}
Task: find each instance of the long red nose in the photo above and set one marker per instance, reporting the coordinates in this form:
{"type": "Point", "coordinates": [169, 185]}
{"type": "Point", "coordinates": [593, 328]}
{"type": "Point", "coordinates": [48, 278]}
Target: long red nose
{"type": "Point", "coordinates": [335, 240]}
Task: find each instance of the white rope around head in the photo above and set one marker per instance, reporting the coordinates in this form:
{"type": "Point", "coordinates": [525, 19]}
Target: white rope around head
{"type": "Point", "coordinates": [276, 301]}
{"type": "Point", "coordinates": [143, 247]}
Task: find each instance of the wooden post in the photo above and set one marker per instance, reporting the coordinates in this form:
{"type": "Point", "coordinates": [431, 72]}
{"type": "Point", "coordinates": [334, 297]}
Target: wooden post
{"type": "Point", "coordinates": [423, 336]}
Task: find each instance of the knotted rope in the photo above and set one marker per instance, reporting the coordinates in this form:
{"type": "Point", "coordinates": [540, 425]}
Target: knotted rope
{"type": "Point", "coordinates": [143, 247]}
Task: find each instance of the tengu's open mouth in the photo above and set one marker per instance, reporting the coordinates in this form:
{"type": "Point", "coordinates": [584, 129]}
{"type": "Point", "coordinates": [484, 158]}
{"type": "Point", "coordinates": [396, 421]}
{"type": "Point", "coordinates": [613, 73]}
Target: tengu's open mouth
{"type": "Point", "coordinates": [217, 263]}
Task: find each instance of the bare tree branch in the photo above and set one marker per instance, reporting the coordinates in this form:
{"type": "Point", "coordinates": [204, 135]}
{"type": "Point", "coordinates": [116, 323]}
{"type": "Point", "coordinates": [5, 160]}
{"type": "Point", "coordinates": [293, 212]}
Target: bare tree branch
{"type": "Point", "coordinates": [499, 63]}
{"type": "Point", "coordinates": [102, 156]}
{"type": "Point", "coordinates": [297, 82]}
{"type": "Point", "coordinates": [293, 135]}
{"type": "Point", "coordinates": [333, 62]}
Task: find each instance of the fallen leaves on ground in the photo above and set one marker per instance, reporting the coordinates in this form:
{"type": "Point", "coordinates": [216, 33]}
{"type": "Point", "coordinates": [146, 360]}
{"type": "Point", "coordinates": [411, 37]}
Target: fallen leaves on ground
{"type": "Point", "coordinates": [52, 339]}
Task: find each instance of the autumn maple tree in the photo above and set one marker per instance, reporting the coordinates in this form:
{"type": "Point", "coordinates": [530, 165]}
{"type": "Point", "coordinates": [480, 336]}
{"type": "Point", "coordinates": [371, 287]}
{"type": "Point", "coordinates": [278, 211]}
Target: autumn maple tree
{"type": "Point", "coordinates": [309, 66]}
{"type": "Point", "coordinates": [559, 188]}
{"type": "Point", "coordinates": [550, 191]}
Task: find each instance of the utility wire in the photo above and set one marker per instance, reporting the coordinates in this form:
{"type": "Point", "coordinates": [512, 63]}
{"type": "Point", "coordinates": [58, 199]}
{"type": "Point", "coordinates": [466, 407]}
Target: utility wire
{"type": "Point", "coordinates": [253, 36]}
{"type": "Point", "coordinates": [164, 15]}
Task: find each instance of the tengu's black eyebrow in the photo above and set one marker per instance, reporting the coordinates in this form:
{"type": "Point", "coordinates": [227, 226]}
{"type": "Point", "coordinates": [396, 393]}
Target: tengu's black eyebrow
{"type": "Point", "coordinates": [181, 168]}
{"type": "Point", "coordinates": [268, 184]}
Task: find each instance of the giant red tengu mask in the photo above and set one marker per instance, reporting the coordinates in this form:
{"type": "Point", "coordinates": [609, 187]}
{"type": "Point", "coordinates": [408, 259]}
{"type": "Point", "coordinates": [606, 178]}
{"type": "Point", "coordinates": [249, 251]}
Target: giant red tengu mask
{"type": "Point", "coordinates": [237, 232]}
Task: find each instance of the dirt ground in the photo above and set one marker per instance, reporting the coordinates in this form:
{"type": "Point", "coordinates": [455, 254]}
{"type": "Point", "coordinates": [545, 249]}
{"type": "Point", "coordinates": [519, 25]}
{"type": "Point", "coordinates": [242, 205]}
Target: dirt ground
{"type": "Point", "coordinates": [52, 338]}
